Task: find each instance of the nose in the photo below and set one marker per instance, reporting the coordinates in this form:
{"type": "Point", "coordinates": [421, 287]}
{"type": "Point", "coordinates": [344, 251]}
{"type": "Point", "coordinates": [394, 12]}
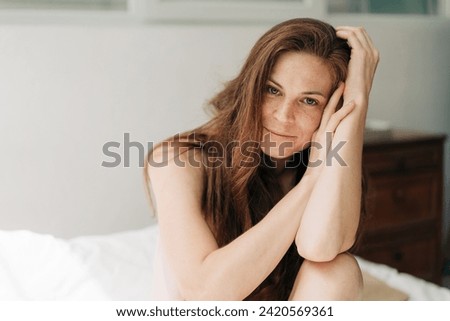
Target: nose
{"type": "Point", "coordinates": [284, 112]}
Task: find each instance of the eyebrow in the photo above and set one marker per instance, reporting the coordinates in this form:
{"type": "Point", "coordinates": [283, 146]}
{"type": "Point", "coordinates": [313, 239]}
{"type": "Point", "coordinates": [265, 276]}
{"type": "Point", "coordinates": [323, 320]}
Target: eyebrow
{"type": "Point", "coordinates": [304, 92]}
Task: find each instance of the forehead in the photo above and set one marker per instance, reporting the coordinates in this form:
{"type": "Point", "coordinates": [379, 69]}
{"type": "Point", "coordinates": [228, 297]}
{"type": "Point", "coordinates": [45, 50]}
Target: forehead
{"type": "Point", "coordinates": [302, 70]}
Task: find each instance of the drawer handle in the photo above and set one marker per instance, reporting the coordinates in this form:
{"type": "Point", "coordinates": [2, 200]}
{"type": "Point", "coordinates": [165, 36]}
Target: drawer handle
{"type": "Point", "coordinates": [398, 256]}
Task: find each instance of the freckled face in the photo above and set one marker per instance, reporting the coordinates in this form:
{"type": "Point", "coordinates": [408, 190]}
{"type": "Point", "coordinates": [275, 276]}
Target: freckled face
{"type": "Point", "coordinates": [295, 96]}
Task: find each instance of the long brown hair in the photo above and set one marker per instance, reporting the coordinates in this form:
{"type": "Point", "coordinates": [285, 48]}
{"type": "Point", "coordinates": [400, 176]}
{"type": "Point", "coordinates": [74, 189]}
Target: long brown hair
{"type": "Point", "coordinates": [237, 197]}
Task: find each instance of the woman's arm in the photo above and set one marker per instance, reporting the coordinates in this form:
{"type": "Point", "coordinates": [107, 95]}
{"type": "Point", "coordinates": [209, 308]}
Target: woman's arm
{"type": "Point", "coordinates": [331, 217]}
{"type": "Point", "coordinates": [202, 270]}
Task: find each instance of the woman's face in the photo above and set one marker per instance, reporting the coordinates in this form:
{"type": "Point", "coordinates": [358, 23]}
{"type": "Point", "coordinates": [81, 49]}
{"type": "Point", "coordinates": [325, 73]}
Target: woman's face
{"type": "Point", "coordinates": [295, 96]}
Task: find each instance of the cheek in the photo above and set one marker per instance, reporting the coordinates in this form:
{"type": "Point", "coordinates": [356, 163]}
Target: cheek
{"type": "Point", "coordinates": [265, 113]}
{"type": "Point", "coordinates": [310, 120]}
{"type": "Point", "coordinates": [317, 119]}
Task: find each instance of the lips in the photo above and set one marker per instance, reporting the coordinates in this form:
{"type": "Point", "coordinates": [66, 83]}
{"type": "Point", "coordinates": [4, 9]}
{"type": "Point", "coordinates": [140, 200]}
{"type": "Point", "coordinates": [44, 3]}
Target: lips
{"type": "Point", "coordinates": [279, 134]}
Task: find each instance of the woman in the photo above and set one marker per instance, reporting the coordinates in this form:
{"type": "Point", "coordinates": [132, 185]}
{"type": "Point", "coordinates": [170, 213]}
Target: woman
{"type": "Point", "coordinates": [263, 201]}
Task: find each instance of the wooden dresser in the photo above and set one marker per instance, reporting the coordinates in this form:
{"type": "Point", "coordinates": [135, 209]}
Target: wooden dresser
{"type": "Point", "coordinates": [404, 175]}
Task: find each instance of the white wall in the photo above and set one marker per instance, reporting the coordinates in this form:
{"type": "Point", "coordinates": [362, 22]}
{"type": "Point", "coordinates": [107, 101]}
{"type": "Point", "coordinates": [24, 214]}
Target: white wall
{"type": "Point", "coordinates": [68, 89]}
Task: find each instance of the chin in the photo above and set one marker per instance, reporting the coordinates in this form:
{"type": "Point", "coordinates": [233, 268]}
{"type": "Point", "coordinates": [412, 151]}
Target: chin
{"type": "Point", "coordinates": [277, 153]}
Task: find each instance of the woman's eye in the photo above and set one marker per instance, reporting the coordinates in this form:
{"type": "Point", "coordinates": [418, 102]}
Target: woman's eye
{"type": "Point", "coordinates": [310, 101]}
{"type": "Point", "coordinates": [273, 91]}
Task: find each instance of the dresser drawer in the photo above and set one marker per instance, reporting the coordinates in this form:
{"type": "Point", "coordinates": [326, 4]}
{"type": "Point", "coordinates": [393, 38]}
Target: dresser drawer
{"type": "Point", "coordinates": [418, 258]}
{"type": "Point", "coordinates": [402, 159]}
{"type": "Point", "coordinates": [398, 200]}
{"type": "Point", "coordinates": [404, 176]}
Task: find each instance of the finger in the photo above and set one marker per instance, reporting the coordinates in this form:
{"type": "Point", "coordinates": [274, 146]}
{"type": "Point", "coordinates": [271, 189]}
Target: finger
{"type": "Point", "coordinates": [355, 37]}
{"type": "Point", "coordinates": [330, 108]}
{"type": "Point", "coordinates": [361, 34]}
{"type": "Point", "coordinates": [373, 50]}
{"type": "Point", "coordinates": [339, 116]}
{"type": "Point", "coordinates": [370, 45]}
{"type": "Point", "coordinates": [367, 38]}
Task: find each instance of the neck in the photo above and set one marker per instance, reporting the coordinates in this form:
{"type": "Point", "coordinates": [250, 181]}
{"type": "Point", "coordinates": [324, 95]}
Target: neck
{"type": "Point", "coordinates": [279, 165]}
{"type": "Point", "coordinates": [286, 179]}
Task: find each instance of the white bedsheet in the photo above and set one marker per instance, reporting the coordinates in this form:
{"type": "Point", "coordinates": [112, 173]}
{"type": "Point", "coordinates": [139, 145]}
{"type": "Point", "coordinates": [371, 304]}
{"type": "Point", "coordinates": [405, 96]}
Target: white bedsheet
{"type": "Point", "coordinates": [110, 267]}
{"type": "Point", "coordinates": [117, 267]}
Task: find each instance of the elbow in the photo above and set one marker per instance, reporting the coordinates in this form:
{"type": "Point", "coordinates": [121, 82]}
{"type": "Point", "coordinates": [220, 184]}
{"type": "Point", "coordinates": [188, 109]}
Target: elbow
{"type": "Point", "coordinates": [322, 251]}
{"type": "Point", "coordinates": [317, 254]}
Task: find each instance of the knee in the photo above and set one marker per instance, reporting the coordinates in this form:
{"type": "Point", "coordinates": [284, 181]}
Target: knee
{"type": "Point", "coordinates": [340, 278]}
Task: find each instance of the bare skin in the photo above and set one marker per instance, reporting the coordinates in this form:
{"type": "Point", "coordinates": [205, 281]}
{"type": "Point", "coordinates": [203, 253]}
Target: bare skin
{"type": "Point", "coordinates": [323, 231]}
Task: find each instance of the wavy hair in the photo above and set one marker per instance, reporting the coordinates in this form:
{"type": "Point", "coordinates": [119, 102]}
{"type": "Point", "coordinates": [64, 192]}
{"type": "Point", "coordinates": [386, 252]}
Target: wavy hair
{"type": "Point", "coordinates": [237, 197]}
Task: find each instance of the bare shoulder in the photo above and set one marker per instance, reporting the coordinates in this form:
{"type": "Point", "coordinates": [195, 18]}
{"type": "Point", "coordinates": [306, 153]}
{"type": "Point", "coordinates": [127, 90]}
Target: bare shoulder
{"type": "Point", "coordinates": [175, 171]}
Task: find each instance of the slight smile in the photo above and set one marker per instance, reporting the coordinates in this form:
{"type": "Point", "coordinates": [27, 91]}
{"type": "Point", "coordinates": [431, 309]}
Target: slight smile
{"type": "Point", "coordinates": [278, 134]}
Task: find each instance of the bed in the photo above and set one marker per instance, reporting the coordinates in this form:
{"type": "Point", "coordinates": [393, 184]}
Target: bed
{"type": "Point", "coordinates": [119, 266]}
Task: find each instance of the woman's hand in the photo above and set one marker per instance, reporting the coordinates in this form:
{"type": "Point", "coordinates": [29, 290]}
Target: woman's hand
{"type": "Point", "coordinates": [323, 136]}
{"type": "Point", "coordinates": [363, 63]}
